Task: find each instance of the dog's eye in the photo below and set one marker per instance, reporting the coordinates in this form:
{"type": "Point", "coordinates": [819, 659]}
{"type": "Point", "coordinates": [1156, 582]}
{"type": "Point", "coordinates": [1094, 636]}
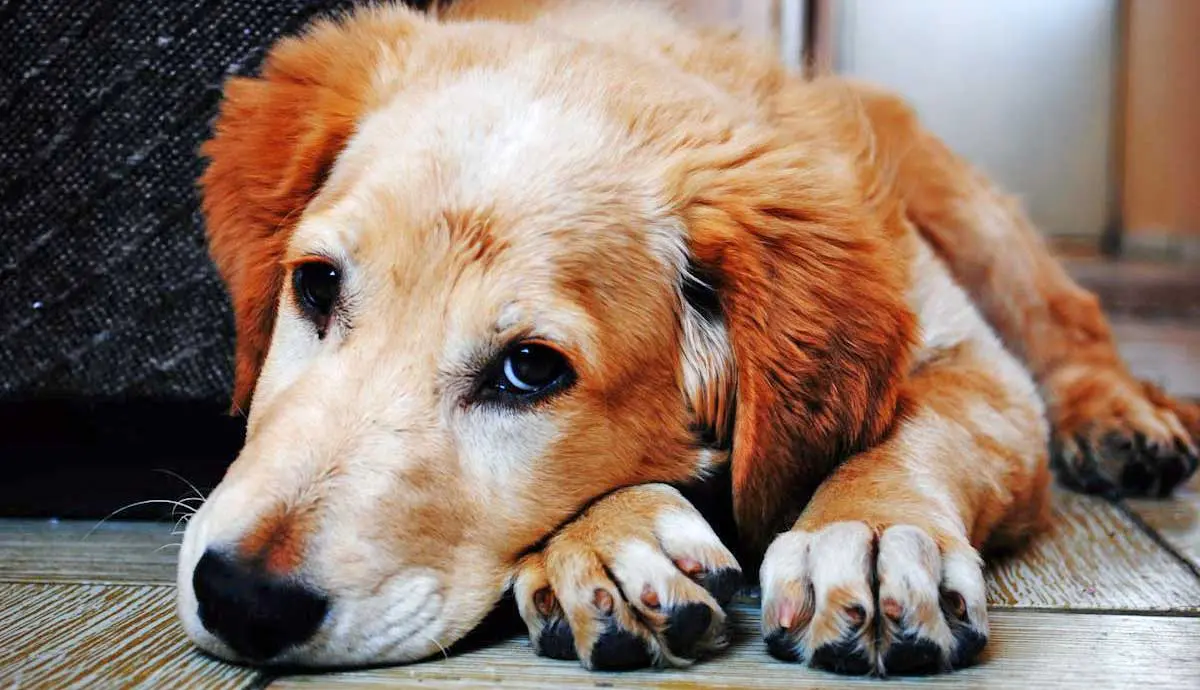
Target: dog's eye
{"type": "Point", "coordinates": [525, 373]}
{"type": "Point", "coordinates": [317, 285]}
{"type": "Point", "coordinates": [530, 368]}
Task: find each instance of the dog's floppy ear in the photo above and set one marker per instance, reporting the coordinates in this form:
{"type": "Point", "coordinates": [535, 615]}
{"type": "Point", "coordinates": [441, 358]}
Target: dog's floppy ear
{"type": "Point", "coordinates": [809, 293]}
{"type": "Point", "coordinates": [276, 137]}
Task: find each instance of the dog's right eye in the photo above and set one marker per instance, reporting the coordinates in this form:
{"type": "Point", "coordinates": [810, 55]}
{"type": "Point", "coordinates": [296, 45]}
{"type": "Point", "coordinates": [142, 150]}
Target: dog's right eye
{"type": "Point", "coordinates": [531, 368]}
{"type": "Point", "coordinates": [317, 285]}
{"type": "Point", "coordinates": [525, 373]}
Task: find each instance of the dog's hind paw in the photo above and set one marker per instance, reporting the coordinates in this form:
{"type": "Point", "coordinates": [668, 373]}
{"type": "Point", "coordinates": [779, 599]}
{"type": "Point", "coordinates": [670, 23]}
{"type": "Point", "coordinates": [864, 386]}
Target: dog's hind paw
{"type": "Point", "coordinates": [639, 579]}
{"type": "Point", "coordinates": [1117, 436]}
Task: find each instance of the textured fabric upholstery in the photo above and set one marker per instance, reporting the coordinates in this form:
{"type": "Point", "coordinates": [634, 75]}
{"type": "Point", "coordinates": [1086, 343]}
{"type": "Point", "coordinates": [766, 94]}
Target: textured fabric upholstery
{"type": "Point", "coordinates": [106, 288]}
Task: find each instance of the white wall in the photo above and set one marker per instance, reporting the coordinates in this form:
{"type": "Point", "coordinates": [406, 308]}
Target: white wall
{"type": "Point", "coordinates": [1023, 88]}
{"type": "Point", "coordinates": [778, 21]}
{"type": "Point", "coordinates": [755, 17]}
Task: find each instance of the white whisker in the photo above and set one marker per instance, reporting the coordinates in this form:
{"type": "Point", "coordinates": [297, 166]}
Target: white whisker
{"type": "Point", "coordinates": [122, 509]}
{"type": "Point", "coordinates": [445, 654]}
{"type": "Point", "coordinates": [180, 523]}
{"type": "Point", "coordinates": [199, 494]}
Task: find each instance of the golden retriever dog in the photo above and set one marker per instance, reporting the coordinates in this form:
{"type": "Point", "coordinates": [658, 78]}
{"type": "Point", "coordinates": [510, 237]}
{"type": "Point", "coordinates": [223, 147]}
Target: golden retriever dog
{"type": "Point", "coordinates": [516, 284]}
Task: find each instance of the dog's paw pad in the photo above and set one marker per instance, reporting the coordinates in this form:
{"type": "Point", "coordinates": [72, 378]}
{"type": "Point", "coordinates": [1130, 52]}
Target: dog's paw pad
{"type": "Point", "coordinates": [970, 642]}
{"type": "Point", "coordinates": [619, 650]}
{"type": "Point", "coordinates": [1123, 463]}
{"type": "Point", "coordinates": [911, 654]}
{"type": "Point", "coordinates": [556, 641]}
{"type": "Point", "coordinates": [687, 626]}
{"type": "Point", "coordinates": [844, 656]}
{"type": "Point", "coordinates": [781, 645]}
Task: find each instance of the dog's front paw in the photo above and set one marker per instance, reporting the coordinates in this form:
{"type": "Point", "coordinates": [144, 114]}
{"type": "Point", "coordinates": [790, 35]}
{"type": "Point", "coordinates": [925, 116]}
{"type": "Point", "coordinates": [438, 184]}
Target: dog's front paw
{"type": "Point", "coordinates": [1114, 435]}
{"type": "Point", "coordinates": [638, 579]}
{"type": "Point", "coordinates": [848, 600]}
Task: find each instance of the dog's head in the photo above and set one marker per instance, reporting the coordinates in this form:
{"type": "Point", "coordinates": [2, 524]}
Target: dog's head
{"type": "Point", "coordinates": [481, 276]}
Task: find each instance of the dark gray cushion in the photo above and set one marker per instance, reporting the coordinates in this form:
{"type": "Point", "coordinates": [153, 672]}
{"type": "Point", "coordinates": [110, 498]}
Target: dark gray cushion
{"type": "Point", "coordinates": [105, 284]}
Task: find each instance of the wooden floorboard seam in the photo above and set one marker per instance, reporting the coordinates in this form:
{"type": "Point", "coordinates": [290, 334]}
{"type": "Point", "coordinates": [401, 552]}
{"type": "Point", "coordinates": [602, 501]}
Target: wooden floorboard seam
{"type": "Point", "coordinates": [1175, 613]}
{"type": "Point", "coordinates": [1153, 534]}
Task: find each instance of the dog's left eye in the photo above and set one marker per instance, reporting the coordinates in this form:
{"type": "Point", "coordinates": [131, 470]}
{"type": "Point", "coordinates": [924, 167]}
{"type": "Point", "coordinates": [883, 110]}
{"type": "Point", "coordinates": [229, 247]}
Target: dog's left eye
{"type": "Point", "coordinates": [525, 373]}
{"type": "Point", "coordinates": [317, 285]}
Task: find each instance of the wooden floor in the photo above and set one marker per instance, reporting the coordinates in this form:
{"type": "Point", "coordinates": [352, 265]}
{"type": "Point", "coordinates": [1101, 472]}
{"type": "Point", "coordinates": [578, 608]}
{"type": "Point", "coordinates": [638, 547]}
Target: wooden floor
{"type": "Point", "coordinates": [1109, 597]}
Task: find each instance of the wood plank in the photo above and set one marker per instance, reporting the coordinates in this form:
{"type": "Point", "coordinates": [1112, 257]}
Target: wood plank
{"type": "Point", "coordinates": [1095, 558]}
{"type": "Point", "coordinates": [1028, 649]}
{"type": "Point", "coordinates": [1092, 558]}
{"type": "Point", "coordinates": [102, 636]}
{"type": "Point", "coordinates": [1176, 520]}
{"type": "Point", "coordinates": [116, 552]}
{"type": "Point", "coordinates": [54, 635]}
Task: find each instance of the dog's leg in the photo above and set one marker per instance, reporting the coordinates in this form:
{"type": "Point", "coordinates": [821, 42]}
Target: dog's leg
{"type": "Point", "coordinates": [637, 579]}
{"type": "Point", "coordinates": [1111, 432]}
{"type": "Point", "coordinates": [882, 572]}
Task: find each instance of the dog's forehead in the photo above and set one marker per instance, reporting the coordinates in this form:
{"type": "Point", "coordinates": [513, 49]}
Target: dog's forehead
{"type": "Point", "coordinates": [500, 139]}
{"type": "Point", "coordinates": [501, 174]}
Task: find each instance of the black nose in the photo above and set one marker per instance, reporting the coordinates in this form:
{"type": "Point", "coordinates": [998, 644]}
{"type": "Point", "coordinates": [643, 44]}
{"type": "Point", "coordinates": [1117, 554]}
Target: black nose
{"type": "Point", "coordinates": [254, 612]}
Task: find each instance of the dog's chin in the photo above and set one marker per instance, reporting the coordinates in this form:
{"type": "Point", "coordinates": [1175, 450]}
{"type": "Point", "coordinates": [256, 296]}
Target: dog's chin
{"type": "Point", "coordinates": [309, 656]}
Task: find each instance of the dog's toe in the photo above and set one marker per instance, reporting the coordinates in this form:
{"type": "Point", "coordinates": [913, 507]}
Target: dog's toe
{"type": "Point", "coordinates": [782, 646]}
{"type": "Point", "coordinates": [722, 583]}
{"type": "Point", "coordinates": [556, 641]}
{"type": "Point", "coordinates": [832, 629]}
{"type": "Point", "coordinates": [933, 603]}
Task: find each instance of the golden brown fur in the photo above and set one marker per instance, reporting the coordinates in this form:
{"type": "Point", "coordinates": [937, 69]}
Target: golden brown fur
{"type": "Point", "coordinates": [569, 174]}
